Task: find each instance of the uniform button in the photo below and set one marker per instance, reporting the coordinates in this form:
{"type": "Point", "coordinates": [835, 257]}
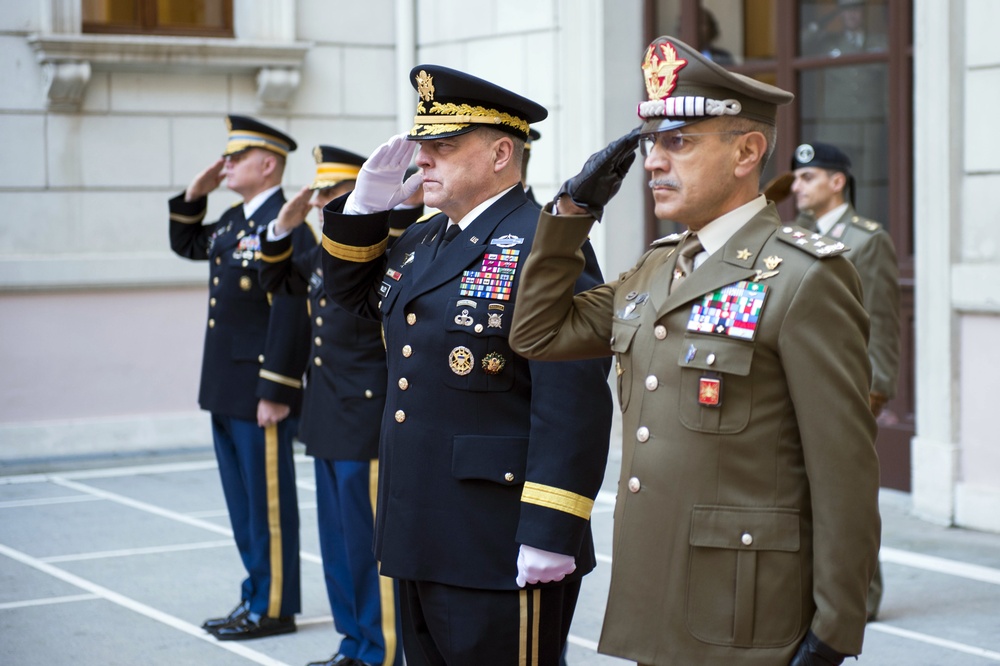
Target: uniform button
{"type": "Point", "coordinates": [642, 434]}
{"type": "Point", "coordinates": [260, 359]}
{"type": "Point", "coordinates": [407, 350]}
{"type": "Point", "coordinates": [318, 361]}
{"type": "Point", "coordinates": [380, 305]}
{"type": "Point", "coordinates": [411, 319]}
{"type": "Point", "coordinates": [612, 341]}
{"type": "Point", "coordinates": [710, 359]}
{"type": "Point", "coordinates": [211, 323]}
{"type": "Point", "coordinates": [652, 382]}
{"type": "Point", "coordinates": [400, 416]}
{"type": "Point", "coordinates": [403, 383]}
{"type": "Point", "coordinates": [245, 263]}
{"type": "Point", "coordinates": [218, 261]}
{"type": "Point", "coordinates": [251, 223]}
{"type": "Point", "coordinates": [215, 281]}
{"type": "Point", "coordinates": [322, 302]}
{"type": "Point", "coordinates": [211, 302]}
{"type": "Point", "coordinates": [369, 394]}
{"type": "Point", "coordinates": [319, 321]}
{"type": "Point", "coordinates": [318, 340]}
{"type": "Point", "coordinates": [508, 477]}
{"type": "Point", "coordinates": [478, 328]}
{"type": "Point", "coordinates": [747, 539]}
{"type": "Point", "coordinates": [634, 485]}
{"type": "Point", "coordinates": [660, 332]}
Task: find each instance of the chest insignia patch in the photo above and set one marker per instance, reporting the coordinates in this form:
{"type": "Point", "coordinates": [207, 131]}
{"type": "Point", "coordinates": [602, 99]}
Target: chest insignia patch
{"type": "Point", "coordinates": [461, 360]}
{"type": "Point", "coordinates": [510, 240]}
{"type": "Point", "coordinates": [733, 311]}
{"type": "Point", "coordinates": [495, 277]}
{"type": "Point", "coordinates": [394, 274]}
{"type": "Point", "coordinates": [407, 259]}
{"type": "Point", "coordinates": [248, 248]}
{"type": "Point", "coordinates": [710, 391]}
{"type": "Point", "coordinates": [630, 311]}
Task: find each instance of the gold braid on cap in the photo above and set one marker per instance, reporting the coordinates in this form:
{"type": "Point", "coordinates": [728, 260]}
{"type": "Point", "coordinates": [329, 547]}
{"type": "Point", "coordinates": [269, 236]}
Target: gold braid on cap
{"type": "Point", "coordinates": [452, 117]}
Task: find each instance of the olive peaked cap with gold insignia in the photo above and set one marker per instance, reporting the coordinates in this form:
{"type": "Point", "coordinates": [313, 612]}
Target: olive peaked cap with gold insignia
{"type": "Point", "coordinates": [246, 133]}
{"type": "Point", "coordinates": [335, 165]}
{"type": "Point", "coordinates": [684, 87]}
{"type": "Point", "coordinates": [453, 102]}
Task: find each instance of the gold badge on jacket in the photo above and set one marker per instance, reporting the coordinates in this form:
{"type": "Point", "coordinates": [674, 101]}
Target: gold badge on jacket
{"type": "Point", "coordinates": [460, 360]}
{"type": "Point", "coordinates": [710, 391]}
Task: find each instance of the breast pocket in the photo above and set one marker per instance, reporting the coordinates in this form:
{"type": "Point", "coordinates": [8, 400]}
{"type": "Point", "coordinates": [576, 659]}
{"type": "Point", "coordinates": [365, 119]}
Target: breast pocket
{"type": "Point", "coordinates": [715, 385]}
{"type": "Point", "coordinates": [622, 334]}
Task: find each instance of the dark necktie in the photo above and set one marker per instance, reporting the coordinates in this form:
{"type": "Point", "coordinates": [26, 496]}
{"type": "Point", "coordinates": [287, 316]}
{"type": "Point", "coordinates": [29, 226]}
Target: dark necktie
{"type": "Point", "coordinates": [686, 253]}
{"type": "Point", "coordinates": [449, 234]}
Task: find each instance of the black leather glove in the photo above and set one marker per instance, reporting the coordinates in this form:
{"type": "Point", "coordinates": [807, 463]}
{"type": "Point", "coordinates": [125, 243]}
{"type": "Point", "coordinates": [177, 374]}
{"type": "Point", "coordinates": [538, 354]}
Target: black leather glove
{"type": "Point", "coordinates": [602, 175]}
{"type": "Point", "coordinates": [814, 652]}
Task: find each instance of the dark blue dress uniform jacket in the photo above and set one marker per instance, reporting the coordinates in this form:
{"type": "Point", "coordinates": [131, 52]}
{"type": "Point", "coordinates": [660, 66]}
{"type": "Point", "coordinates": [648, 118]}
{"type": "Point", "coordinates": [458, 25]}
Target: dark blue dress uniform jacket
{"type": "Point", "coordinates": [255, 345]}
{"type": "Point", "coordinates": [472, 464]}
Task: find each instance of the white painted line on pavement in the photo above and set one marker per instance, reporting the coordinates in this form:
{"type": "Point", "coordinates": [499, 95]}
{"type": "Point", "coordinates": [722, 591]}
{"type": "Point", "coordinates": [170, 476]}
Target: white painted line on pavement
{"type": "Point", "coordinates": [46, 501]}
{"type": "Point", "coordinates": [139, 607]}
{"type": "Point", "coordinates": [129, 552]}
{"type": "Point", "coordinates": [933, 640]}
{"type": "Point", "coordinates": [27, 603]}
{"type": "Point", "coordinates": [941, 565]}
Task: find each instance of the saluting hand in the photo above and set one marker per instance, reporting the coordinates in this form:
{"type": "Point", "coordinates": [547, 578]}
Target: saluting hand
{"type": "Point", "coordinates": [293, 213]}
{"type": "Point", "coordinates": [601, 176]}
{"type": "Point", "coordinates": [206, 181]}
{"type": "Point", "coordinates": [380, 185]}
{"type": "Point", "coordinates": [271, 413]}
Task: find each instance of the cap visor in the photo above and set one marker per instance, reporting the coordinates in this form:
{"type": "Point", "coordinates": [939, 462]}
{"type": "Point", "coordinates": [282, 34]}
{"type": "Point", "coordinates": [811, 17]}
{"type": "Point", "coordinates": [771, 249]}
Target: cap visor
{"type": "Point", "coordinates": [664, 124]}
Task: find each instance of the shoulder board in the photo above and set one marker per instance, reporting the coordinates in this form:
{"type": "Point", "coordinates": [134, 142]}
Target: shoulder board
{"type": "Point", "coordinates": [811, 242]}
{"type": "Point", "coordinates": [238, 203]}
{"type": "Point", "coordinates": [427, 216]}
{"type": "Point", "coordinates": [672, 239]}
{"type": "Point", "coordinates": [866, 224]}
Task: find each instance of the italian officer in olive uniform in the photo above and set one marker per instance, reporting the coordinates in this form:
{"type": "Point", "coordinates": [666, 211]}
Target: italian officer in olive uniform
{"type": "Point", "coordinates": [256, 345]}
{"type": "Point", "coordinates": [489, 463]}
{"type": "Point", "coordinates": [747, 525]}
{"type": "Point", "coordinates": [824, 195]}
{"type": "Point", "coordinates": [341, 413]}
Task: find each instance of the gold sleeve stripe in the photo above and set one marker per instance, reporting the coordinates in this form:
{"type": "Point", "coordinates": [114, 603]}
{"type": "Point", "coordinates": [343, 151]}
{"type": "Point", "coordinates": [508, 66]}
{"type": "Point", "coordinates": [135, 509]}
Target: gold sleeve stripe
{"type": "Point", "coordinates": [395, 233]}
{"type": "Point", "coordinates": [558, 499]}
{"type": "Point", "coordinates": [187, 219]}
{"type": "Point", "coordinates": [280, 379]}
{"type": "Point", "coordinates": [353, 253]}
{"type": "Point", "coordinates": [277, 257]}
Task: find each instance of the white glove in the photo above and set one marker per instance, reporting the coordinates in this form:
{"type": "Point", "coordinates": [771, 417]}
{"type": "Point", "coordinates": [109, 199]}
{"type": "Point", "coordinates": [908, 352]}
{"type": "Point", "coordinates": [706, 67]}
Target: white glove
{"type": "Point", "coordinates": [380, 183]}
{"type": "Point", "coordinates": [541, 566]}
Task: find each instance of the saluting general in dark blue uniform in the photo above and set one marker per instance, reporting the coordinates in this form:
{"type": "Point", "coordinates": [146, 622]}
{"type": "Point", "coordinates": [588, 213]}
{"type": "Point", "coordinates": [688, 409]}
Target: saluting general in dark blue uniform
{"type": "Point", "coordinates": [341, 413]}
{"type": "Point", "coordinates": [489, 463]}
{"type": "Point", "coordinates": [256, 345]}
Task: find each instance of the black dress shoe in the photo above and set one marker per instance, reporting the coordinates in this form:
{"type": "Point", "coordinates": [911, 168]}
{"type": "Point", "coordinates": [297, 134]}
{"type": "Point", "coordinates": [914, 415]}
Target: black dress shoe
{"type": "Point", "coordinates": [235, 614]}
{"type": "Point", "coordinates": [248, 627]}
{"type": "Point", "coordinates": [337, 660]}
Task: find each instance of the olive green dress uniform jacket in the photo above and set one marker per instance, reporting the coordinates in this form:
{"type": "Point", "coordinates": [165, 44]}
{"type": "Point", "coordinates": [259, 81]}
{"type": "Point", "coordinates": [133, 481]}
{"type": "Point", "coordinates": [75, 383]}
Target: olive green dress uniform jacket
{"type": "Point", "coordinates": [256, 344]}
{"type": "Point", "coordinates": [737, 526]}
{"type": "Point", "coordinates": [873, 255]}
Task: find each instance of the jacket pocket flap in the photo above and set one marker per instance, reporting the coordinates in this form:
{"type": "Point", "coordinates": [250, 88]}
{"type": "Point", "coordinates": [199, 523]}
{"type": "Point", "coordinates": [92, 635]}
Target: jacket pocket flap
{"type": "Point", "coordinates": [745, 528]}
{"type": "Point", "coordinates": [622, 332]}
{"type": "Point", "coordinates": [707, 352]}
{"type": "Point", "coordinates": [498, 459]}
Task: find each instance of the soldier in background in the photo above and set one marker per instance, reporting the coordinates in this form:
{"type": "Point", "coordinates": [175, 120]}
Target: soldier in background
{"type": "Point", "coordinates": [251, 375]}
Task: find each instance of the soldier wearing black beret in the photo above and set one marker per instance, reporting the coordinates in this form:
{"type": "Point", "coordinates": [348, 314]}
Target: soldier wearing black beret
{"type": "Point", "coordinates": [489, 463]}
{"type": "Point", "coordinates": [342, 410]}
{"type": "Point", "coordinates": [256, 345]}
{"type": "Point", "coordinates": [747, 524]}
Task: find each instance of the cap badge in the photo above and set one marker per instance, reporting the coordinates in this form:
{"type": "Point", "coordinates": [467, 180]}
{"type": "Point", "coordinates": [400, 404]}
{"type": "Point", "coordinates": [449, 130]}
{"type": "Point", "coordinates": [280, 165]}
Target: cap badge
{"type": "Point", "coordinates": [661, 72]}
{"type": "Point", "coordinates": [425, 86]}
{"type": "Point", "coordinates": [804, 153]}
{"type": "Point", "coordinates": [317, 154]}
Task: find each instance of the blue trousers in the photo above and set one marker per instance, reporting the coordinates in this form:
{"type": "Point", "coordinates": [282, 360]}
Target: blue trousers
{"type": "Point", "coordinates": [364, 604]}
{"type": "Point", "coordinates": [258, 480]}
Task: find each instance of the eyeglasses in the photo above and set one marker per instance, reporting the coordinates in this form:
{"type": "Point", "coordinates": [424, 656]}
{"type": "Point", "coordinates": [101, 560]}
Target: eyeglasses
{"type": "Point", "coordinates": [674, 142]}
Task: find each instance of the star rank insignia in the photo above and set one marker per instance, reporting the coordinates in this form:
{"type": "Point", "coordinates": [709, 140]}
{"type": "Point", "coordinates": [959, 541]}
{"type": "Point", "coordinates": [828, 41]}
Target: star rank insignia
{"type": "Point", "coordinates": [743, 254]}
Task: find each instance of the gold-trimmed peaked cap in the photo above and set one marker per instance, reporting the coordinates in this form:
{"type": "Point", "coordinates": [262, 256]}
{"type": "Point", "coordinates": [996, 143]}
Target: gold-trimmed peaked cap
{"type": "Point", "coordinates": [334, 166]}
{"type": "Point", "coordinates": [684, 87]}
{"type": "Point", "coordinates": [246, 133]}
{"type": "Point", "coordinates": [453, 102]}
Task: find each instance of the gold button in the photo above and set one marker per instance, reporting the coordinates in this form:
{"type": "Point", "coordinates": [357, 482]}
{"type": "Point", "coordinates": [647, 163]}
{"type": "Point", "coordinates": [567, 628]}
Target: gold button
{"type": "Point", "coordinates": [642, 434]}
{"type": "Point", "coordinates": [411, 319]}
{"type": "Point", "coordinates": [318, 361]}
{"type": "Point", "coordinates": [369, 394]}
{"type": "Point", "coordinates": [660, 332]}
{"type": "Point", "coordinates": [403, 383]}
{"type": "Point", "coordinates": [211, 302]}
{"type": "Point", "coordinates": [218, 261]}
{"type": "Point", "coordinates": [479, 328]}
{"type": "Point", "coordinates": [508, 477]}
{"type": "Point", "coordinates": [407, 350]}
{"type": "Point", "coordinates": [400, 416]}
{"type": "Point", "coordinates": [211, 323]}
{"type": "Point", "coordinates": [245, 263]}
{"type": "Point", "coordinates": [260, 359]}
{"type": "Point", "coordinates": [634, 485]}
{"type": "Point", "coordinates": [215, 281]}
{"type": "Point", "coordinates": [251, 223]}
{"type": "Point", "coordinates": [318, 340]}
{"type": "Point", "coordinates": [319, 321]}
{"type": "Point", "coordinates": [322, 302]}
{"type": "Point", "coordinates": [747, 539]}
{"type": "Point", "coordinates": [652, 382]}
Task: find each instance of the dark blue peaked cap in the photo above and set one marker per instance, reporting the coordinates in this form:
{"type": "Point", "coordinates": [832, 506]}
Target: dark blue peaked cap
{"type": "Point", "coordinates": [453, 102]}
{"type": "Point", "coordinates": [821, 155]}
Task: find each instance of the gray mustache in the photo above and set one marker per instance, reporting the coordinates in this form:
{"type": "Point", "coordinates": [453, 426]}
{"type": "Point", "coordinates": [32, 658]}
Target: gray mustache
{"type": "Point", "coordinates": [664, 182]}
